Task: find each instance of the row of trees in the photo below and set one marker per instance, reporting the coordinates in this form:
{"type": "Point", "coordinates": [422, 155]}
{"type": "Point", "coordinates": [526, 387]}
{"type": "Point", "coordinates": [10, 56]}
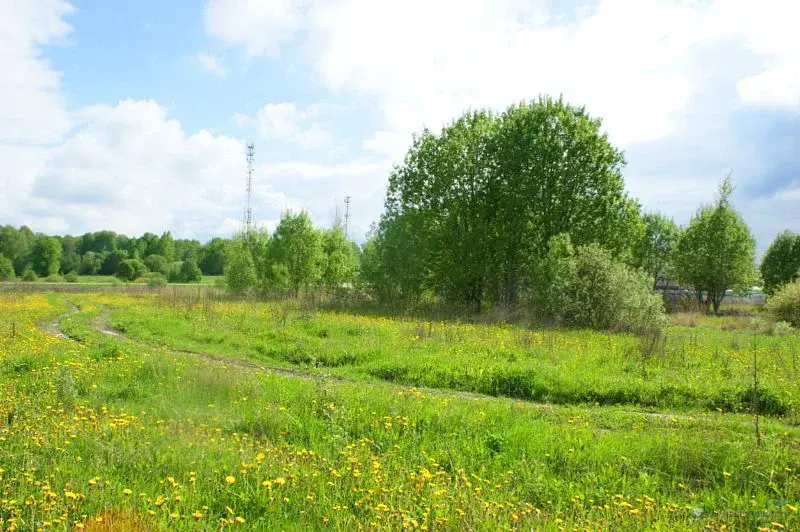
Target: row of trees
{"type": "Point", "coordinates": [104, 252]}
{"type": "Point", "coordinates": [472, 213]}
{"type": "Point", "coordinates": [297, 256]}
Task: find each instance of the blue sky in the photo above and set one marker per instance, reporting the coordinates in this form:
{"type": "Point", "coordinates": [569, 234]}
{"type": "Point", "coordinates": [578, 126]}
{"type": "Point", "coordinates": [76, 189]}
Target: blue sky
{"type": "Point", "coordinates": [134, 115]}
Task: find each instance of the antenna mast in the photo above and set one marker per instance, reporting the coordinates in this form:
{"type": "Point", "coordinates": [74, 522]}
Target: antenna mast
{"type": "Point", "coordinates": [248, 209]}
{"type": "Point", "coordinates": [346, 216]}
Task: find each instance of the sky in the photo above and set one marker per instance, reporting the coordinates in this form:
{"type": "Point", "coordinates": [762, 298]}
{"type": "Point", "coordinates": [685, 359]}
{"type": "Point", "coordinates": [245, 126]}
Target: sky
{"type": "Point", "coordinates": [134, 116]}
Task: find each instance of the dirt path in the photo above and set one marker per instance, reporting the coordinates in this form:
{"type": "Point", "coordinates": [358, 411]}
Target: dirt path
{"type": "Point", "coordinates": [54, 328]}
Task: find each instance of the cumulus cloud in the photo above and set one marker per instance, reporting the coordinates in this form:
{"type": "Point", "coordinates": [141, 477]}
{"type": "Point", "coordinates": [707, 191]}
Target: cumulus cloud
{"type": "Point", "coordinates": [627, 60]}
{"type": "Point", "coordinates": [31, 107]}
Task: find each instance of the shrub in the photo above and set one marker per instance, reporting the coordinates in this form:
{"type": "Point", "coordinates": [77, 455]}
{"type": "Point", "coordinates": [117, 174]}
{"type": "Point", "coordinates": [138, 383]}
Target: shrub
{"type": "Point", "coordinates": [71, 277]}
{"type": "Point", "coordinates": [55, 278]}
{"type": "Point", "coordinates": [131, 269]}
{"type": "Point", "coordinates": [29, 276]}
{"type": "Point", "coordinates": [157, 281]}
{"type": "Point", "coordinates": [588, 287]}
{"type": "Point", "coordinates": [785, 304]}
{"type": "Point", "coordinates": [6, 269]}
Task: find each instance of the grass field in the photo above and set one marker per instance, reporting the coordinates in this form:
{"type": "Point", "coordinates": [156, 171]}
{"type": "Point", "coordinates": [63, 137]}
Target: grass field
{"type": "Point", "coordinates": [285, 417]}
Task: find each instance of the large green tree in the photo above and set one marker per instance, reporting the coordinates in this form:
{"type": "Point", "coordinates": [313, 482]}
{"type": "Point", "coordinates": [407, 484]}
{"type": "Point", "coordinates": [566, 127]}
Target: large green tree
{"type": "Point", "coordinates": [296, 248]}
{"type": "Point", "coordinates": [716, 251]}
{"type": "Point", "coordinates": [470, 211]}
{"type": "Point", "coordinates": [781, 262]}
{"type": "Point", "coordinates": [556, 173]}
{"type": "Point", "coordinates": [655, 249]}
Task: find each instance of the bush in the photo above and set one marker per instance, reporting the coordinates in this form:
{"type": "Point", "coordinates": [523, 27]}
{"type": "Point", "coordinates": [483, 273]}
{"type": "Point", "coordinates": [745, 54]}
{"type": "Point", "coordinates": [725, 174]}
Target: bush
{"type": "Point", "coordinates": [131, 269]}
{"type": "Point", "coordinates": [29, 276]}
{"type": "Point", "coordinates": [157, 281]}
{"type": "Point", "coordinates": [785, 304]}
{"type": "Point", "coordinates": [588, 287]}
{"type": "Point", "coordinates": [71, 277]}
{"type": "Point", "coordinates": [55, 278]}
{"type": "Point", "coordinates": [6, 269]}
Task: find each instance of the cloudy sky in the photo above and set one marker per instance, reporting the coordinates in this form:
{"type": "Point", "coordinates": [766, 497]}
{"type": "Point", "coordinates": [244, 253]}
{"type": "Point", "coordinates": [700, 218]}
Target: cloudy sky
{"type": "Point", "coordinates": [133, 116]}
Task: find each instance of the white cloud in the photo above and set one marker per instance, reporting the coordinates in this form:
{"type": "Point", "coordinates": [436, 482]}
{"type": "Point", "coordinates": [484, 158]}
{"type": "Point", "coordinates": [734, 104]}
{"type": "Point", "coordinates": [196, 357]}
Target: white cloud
{"type": "Point", "coordinates": [424, 62]}
{"type": "Point", "coordinates": [211, 65]}
{"type": "Point", "coordinates": [31, 108]}
{"type": "Point", "coordinates": [130, 168]}
{"type": "Point", "coordinates": [258, 25]}
{"type": "Point", "coordinates": [288, 123]}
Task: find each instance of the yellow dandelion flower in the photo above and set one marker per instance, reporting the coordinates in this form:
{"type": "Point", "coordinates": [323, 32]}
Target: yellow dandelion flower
{"type": "Point", "coordinates": [126, 491]}
{"type": "Point", "coordinates": [229, 480]}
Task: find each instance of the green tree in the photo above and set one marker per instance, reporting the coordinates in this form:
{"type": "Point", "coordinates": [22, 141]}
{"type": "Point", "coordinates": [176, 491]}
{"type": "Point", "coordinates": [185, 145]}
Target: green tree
{"type": "Point", "coordinates": [239, 270]}
{"type": "Point", "coordinates": [190, 271]}
{"type": "Point", "coordinates": [165, 247]}
{"type": "Point", "coordinates": [781, 262]}
{"type": "Point", "coordinates": [295, 247]}
{"type": "Point", "coordinates": [16, 244]}
{"type": "Point", "coordinates": [157, 263]}
{"type": "Point", "coordinates": [46, 256]}
{"type": "Point", "coordinates": [131, 269]}
{"type": "Point", "coordinates": [339, 263]}
{"type": "Point", "coordinates": [654, 251]}
{"type": "Point", "coordinates": [212, 257]}
{"type": "Point", "coordinates": [716, 251]}
{"type": "Point", "coordinates": [7, 272]}
{"type": "Point", "coordinates": [470, 211]}
{"type": "Point", "coordinates": [90, 263]}
{"type": "Point", "coordinates": [187, 249]}
{"type": "Point", "coordinates": [112, 261]}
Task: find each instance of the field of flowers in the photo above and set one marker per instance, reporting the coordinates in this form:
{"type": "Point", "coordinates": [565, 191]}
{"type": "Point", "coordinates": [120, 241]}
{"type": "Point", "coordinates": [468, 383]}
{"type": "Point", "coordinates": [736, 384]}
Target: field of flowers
{"type": "Point", "coordinates": [104, 431]}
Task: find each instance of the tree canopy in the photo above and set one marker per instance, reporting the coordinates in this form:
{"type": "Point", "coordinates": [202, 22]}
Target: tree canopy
{"type": "Point", "coordinates": [470, 211]}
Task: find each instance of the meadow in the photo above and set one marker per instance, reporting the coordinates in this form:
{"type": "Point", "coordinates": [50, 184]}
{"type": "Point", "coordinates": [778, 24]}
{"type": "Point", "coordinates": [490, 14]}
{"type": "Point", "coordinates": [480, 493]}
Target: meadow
{"type": "Point", "coordinates": [159, 412]}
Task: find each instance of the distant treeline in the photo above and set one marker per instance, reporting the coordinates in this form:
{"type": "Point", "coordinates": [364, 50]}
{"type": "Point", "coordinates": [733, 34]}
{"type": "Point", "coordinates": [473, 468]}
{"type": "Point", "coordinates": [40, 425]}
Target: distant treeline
{"type": "Point", "coordinates": [109, 253]}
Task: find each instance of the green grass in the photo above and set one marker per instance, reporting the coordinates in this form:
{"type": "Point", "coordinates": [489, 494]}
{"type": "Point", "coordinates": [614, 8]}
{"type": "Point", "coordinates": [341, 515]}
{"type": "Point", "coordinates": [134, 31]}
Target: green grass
{"type": "Point", "coordinates": [705, 368]}
{"type": "Point", "coordinates": [147, 439]}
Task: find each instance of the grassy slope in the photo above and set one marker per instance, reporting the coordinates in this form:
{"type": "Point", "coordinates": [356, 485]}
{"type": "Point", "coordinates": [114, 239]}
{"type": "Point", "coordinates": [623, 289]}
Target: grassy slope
{"type": "Point", "coordinates": [106, 429]}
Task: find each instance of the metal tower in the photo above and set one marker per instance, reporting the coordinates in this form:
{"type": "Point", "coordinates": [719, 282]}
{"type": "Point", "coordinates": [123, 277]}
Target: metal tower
{"type": "Point", "coordinates": [346, 216]}
{"type": "Point", "coordinates": [248, 209]}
